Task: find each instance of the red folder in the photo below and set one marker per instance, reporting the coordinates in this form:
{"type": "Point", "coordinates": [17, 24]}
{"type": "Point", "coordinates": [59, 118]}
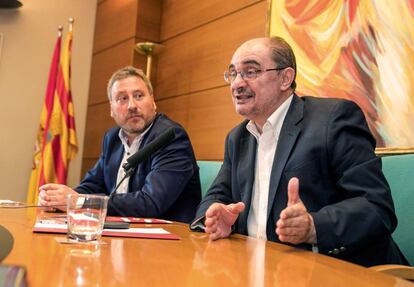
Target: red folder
{"type": "Point", "coordinates": [136, 220]}
{"type": "Point", "coordinates": [154, 233]}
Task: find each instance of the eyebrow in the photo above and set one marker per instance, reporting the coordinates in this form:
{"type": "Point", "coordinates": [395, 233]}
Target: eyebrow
{"type": "Point", "coordinates": [134, 91]}
{"type": "Point", "coordinates": [247, 62]}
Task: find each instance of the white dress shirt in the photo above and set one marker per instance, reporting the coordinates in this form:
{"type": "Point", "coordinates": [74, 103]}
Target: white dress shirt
{"type": "Point", "coordinates": [129, 149]}
{"type": "Point", "coordinates": [265, 153]}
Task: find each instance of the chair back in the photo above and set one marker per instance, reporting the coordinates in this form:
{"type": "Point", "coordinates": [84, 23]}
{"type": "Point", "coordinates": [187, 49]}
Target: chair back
{"type": "Point", "coordinates": [208, 173]}
{"type": "Point", "coordinates": [399, 171]}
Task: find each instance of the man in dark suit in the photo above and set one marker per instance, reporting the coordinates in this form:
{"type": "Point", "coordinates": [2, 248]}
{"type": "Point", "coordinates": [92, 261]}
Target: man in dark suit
{"type": "Point", "coordinates": [299, 170]}
{"type": "Point", "coordinates": [167, 185]}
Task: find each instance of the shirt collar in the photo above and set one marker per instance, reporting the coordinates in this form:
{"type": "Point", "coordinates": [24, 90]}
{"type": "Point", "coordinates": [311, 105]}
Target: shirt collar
{"type": "Point", "coordinates": [124, 138]}
{"type": "Point", "coordinates": [274, 122]}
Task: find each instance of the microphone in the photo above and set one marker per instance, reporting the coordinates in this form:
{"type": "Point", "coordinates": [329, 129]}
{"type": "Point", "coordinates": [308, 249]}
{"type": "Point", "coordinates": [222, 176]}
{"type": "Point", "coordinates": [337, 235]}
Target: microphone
{"type": "Point", "coordinates": [142, 154]}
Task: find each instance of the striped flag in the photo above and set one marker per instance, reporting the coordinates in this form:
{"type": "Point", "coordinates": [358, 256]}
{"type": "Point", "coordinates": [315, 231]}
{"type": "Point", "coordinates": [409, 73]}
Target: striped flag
{"type": "Point", "coordinates": [56, 142]}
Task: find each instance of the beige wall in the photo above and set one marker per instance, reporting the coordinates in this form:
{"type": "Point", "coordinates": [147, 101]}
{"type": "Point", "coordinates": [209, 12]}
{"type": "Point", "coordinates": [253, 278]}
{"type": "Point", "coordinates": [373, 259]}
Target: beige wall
{"type": "Point", "coordinates": [29, 35]}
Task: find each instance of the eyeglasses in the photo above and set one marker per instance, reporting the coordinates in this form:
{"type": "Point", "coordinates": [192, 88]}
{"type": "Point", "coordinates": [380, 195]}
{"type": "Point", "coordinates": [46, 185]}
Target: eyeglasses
{"type": "Point", "coordinates": [248, 75]}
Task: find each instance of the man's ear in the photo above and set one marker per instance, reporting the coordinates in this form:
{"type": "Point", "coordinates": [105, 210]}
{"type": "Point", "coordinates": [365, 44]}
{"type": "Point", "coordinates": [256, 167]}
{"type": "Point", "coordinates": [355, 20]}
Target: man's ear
{"type": "Point", "coordinates": [288, 75]}
{"type": "Point", "coordinates": [155, 105]}
{"type": "Point", "coordinates": [111, 112]}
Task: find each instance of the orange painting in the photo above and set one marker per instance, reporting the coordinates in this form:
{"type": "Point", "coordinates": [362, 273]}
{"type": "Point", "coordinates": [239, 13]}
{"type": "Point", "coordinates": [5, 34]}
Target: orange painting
{"type": "Point", "coordinates": [357, 50]}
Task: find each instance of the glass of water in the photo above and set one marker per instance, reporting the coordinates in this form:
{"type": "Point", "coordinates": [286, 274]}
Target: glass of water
{"type": "Point", "coordinates": [86, 216]}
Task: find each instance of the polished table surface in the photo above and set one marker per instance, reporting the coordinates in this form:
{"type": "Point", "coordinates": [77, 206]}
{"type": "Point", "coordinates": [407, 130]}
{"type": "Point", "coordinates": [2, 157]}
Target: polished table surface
{"type": "Point", "coordinates": [191, 261]}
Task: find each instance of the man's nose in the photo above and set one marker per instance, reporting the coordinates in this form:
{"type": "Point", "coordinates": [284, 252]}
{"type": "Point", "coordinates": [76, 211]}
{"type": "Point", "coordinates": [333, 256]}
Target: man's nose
{"type": "Point", "coordinates": [132, 103]}
{"type": "Point", "coordinates": [238, 83]}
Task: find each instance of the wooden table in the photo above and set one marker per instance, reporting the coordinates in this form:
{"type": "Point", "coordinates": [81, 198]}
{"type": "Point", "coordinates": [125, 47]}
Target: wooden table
{"type": "Point", "coordinates": [191, 261]}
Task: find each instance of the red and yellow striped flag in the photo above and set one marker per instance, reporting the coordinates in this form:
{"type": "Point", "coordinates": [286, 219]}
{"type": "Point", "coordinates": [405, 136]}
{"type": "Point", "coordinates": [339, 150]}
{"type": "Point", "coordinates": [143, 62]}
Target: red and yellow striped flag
{"type": "Point", "coordinates": [56, 142]}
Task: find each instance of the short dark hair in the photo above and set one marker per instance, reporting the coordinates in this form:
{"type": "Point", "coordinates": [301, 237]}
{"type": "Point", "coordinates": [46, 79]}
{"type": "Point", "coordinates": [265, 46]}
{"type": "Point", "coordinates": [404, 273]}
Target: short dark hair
{"type": "Point", "coordinates": [282, 54]}
{"type": "Point", "coordinates": [127, 72]}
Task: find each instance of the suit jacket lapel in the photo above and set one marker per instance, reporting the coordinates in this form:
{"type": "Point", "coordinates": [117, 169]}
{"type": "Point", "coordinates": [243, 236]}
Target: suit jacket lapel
{"type": "Point", "coordinates": [136, 182]}
{"type": "Point", "coordinates": [245, 175]}
{"type": "Point", "coordinates": [287, 138]}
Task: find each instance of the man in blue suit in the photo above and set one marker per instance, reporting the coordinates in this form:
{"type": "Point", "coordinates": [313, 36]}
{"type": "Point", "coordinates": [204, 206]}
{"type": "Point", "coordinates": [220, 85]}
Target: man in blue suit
{"type": "Point", "coordinates": [298, 170]}
{"type": "Point", "coordinates": [166, 185]}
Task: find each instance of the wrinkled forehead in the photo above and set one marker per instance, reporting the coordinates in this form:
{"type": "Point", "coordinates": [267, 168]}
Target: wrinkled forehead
{"type": "Point", "coordinates": [129, 83]}
{"type": "Point", "coordinates": [254, 52]}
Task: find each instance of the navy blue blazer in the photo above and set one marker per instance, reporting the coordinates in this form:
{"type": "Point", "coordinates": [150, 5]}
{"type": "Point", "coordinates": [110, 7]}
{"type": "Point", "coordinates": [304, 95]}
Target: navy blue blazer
{"type": "Point", "coordinates": [327, 144]}
{"type": "Point", "coordinates": [166, 185]}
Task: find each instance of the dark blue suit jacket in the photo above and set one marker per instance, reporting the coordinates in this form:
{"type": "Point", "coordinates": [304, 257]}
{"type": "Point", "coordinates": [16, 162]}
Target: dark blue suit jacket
{"type": "Point", "coordinates": [166, 185]}
{"type": "Point", "coordinates": [327, 144]}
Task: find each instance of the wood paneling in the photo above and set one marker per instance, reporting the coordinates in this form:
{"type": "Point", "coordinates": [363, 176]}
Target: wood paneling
{"type": "Point", "coordinates": [87, 164]}
{"type": "Point", "coordinates": [119, 20]}
{"type": "Point", "coordinates": [195, 61]}
{"type": "Point", "coordinates": [200, 38]}
{"type": "Point", "coordinates": [207, 116]}
{"type": "Point", "coordinates": [120, 24]}
{"type": "Point", "coordinates": [104, 65]}
{"type": "Point", "coordinates": [98, 122]}
{"type": "Point", "coordinates": [177, 109]}
{"type": "Point", "coordinates": [148, 24]}
{"type": "Point", "coordinates": [115, 22]}
{"type": "Point", "coordinates": [179, 16]}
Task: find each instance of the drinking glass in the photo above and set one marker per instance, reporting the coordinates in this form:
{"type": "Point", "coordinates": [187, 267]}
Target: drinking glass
{"type": "Point", "coordinates": [86, 216]}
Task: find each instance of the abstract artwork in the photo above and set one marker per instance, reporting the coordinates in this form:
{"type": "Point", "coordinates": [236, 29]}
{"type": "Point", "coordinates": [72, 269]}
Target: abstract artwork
{"type": "Point", "coordinates": [357, 50]}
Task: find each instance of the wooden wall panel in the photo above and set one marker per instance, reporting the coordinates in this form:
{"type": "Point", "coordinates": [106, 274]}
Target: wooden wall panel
{"type": "Point", "coordinates": [120, 24]}
{"type": "Point", "coordinates": [115, 22]}
{"type": "Point", "coordinates": [199, 46]}
{"type": "Point", "coordinates": [148, 24]}
{"type": "Point", "coordinates": [87, 164]}
{"type": "Point", "coordinates": [179, 16]}
{"type": "Point", "coordinates": [207, 121]}
{"type": "Point", "coordinates": [200, 38]}
{"type": "Point", "coordinates": [195, 61]}
{"type": "Point", "coordinates": [105, 63]}
{"type": "Point", "coordinates": [178, 109]}
{"type": "Point", "coordinates": [103, 66]}
{"type": "Point", "coordinates": [98, 122]}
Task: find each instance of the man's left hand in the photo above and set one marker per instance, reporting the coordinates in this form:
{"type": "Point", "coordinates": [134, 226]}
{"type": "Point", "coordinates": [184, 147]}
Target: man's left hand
{"type": "Point", "coordinates": [295, 224]}
{"type": "Point", "coordinates": [54, 195]}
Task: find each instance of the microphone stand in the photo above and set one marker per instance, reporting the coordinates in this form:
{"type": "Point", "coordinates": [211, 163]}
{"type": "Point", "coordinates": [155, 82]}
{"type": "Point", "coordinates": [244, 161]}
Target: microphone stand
{"type": "Point", "coordinates": [128, 172]}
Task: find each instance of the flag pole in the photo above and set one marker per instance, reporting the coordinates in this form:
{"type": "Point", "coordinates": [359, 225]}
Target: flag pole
{"type": "Point", "coordinates": [60, 30]}
{"type": "Point", "coordinates": [71, 22]}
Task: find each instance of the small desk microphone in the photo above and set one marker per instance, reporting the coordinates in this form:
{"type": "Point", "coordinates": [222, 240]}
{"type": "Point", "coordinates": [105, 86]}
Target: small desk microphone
{"type": "Point", "coordinates": [141, 155]}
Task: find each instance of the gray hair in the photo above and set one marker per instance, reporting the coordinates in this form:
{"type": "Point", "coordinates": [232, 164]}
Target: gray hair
{"type": "Point", "coordinates": [127, 72]}
{"type": "Point", "coordinates": [282, 54]}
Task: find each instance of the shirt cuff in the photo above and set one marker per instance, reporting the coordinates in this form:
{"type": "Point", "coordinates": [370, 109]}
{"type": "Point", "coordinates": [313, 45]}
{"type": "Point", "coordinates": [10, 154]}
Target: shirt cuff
{"type": "Point", "coordinates": [198, 224]}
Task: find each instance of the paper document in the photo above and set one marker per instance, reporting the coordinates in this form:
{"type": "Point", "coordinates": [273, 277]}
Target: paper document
{"type": "Point", "coordinates": [155, 233]}
{"type": "Point", "coordinates": [136, 220]}
{"type": "Point", "coordinates": [11, 203]}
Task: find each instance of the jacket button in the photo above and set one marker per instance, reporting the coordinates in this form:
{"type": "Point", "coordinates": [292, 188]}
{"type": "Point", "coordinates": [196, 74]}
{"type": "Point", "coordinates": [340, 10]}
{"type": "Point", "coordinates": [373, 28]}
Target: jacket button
{"type": "Point", "coordinates": [335, 251]}
{"type": "Point", "coordinates": [330, 252]}
{"type": "Point", "coordinates": [342, 249]}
